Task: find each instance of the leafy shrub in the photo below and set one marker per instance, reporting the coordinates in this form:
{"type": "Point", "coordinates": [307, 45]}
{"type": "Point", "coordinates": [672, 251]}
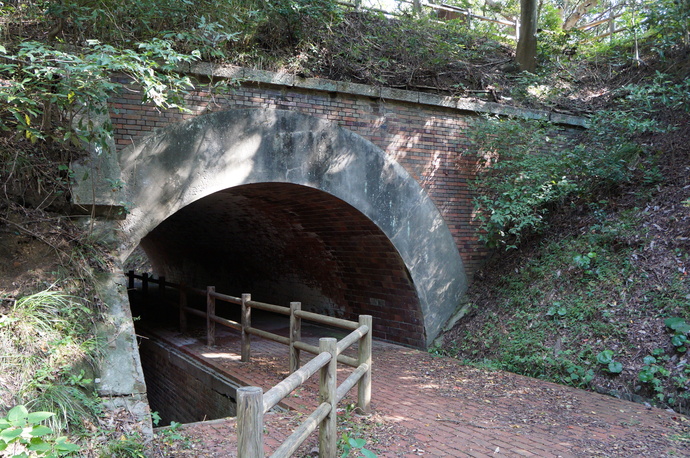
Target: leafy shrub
{"type": "Point", "coordinates": [528, 169]}
{"type": "Point", "coordinates": [48, 90]}
{"type": "Point", "coordinates": [21, 431]}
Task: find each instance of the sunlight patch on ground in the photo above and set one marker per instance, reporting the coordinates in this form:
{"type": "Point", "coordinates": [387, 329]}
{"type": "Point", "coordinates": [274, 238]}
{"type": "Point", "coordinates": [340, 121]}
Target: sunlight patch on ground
{"type": "Point", "coordinates": [232, 356]}
{"type": "Point", "coordinates": [394, 418]}
{"type": "Point", "coordinates": [426, 386]}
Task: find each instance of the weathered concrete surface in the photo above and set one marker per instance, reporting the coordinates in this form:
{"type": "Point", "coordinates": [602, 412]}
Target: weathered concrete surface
{"type": "Point", "coordinates": [321, 84]}
{"type": "Point", "coordinates": [120, 365]}
{"type": "Point", "coordinates": [120, 381]}
{"type": "Point", "coordinates": [210, 153]}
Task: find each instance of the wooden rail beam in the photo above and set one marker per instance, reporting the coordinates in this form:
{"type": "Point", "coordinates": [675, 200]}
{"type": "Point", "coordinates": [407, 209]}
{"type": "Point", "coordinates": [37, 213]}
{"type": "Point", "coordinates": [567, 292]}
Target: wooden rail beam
{"type": "Point", "coordinates": [364, 358]}
{"type": "Point", "coordinates": [322, 319]}
{"type": "Point", "coordinates": [350, 382]}
{"type": "Point", "coordinates": [278, 392]}
{"type": "Point", "coordinates": [246, 324]}
{"type": "Point", "coordinates": [303, 431]}
{"type": "Point", "coordinates": [295, 335]}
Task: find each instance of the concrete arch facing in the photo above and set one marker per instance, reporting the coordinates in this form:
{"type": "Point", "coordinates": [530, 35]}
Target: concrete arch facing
{"type": "Point", "coordinates": [188, 161]}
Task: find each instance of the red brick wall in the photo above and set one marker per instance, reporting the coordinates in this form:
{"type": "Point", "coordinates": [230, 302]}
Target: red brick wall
{"type": "Point", "coordinates": [425, 134]}
{"type": "Point", "coordinates": [428, 141]}
{"type": "Point", "coordinates": [181, 390]}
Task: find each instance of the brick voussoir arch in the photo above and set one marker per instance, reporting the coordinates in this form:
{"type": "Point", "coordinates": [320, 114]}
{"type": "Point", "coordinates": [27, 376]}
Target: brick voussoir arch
{"type": "Point", "coordinates": [185, 162]}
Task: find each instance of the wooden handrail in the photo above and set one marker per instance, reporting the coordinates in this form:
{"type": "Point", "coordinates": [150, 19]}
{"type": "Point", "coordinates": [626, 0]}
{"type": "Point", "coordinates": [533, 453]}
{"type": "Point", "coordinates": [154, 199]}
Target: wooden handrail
{"type": "Point", "coordinates": [351, 381]}
{"type": "Point", "coordinates": [276, 394]}
{"type": "Point", "coordinates": [269, 307]}
{"type": "Point", "coordinates": [303, 431]}
{"type": "Point", "coordinates": [323, 319]}
{"type": "Point", "coordinates": [352, 337]}
{"type": "Point", "coordinates": [349, 360]}
{"type": "Point", "coordinates": [252, 403]}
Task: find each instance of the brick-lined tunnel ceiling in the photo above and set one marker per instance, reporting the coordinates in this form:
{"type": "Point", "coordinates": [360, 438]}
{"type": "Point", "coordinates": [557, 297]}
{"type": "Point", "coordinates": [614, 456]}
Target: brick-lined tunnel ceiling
{"type": "Point", "coordinates": [284, 242]}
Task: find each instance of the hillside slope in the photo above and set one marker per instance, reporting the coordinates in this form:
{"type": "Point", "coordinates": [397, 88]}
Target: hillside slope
{"type": "Point", "coordinates": [601, 298]}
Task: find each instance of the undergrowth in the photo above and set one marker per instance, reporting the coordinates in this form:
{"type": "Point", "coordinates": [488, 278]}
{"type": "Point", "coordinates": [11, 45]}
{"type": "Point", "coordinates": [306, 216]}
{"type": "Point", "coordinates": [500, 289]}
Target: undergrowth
{"type": "Point", "coordinates": [604, 301]}
{"type": "Point", "coordinates": [48, 347]}
{"type": "Point", "coordinates": [567, 294]}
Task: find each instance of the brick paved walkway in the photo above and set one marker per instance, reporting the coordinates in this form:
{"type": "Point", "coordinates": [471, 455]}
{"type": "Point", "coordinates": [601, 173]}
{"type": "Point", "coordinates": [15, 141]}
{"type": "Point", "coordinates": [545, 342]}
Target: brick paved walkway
{"type": "Point", "coordinates": [435, 407]}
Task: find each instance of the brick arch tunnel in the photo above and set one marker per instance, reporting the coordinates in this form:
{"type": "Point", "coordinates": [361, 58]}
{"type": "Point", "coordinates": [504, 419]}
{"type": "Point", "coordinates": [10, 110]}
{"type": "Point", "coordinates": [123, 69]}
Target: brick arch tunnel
{"type": "Point", "coordinates": [290, 207]}
{"type": "Point", "coordinates": [284, 242]}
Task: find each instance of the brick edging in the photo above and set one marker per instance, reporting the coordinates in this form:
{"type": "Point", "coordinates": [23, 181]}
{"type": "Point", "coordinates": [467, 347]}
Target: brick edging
{"type": "Point", "coordinates": [283, 79]}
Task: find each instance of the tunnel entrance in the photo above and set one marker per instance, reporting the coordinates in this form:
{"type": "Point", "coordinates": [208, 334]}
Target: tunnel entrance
{"type": "Point", "coordinates": [283, 242]}
{"type": "Point", "coordinates": [337, 222]}
{"type": "Point", "coordinates": [295, 208]}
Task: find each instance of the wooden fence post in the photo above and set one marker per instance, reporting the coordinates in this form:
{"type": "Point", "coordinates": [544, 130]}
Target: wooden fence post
{"type": "Point", "coordinates": [183, 305]}
{"type": "Point", "coordinates": [295, 335]}
{"type": "Point", "coordinates": [130, 276]}
{"type": "Point", "coordinates": [364, 356]}
{"type": "Point", "coordinates": [145, 285]}
{"type": "Point", "coordinates": [328, 384]}
{"type": "Point", "coordinates": [161, 288]}
{"type": "Point", "coordinates": [210, 311]}
{"type": "Point", "coordinates": [246, 353]}
{"type": "Point", "coordinates": [250, 422]}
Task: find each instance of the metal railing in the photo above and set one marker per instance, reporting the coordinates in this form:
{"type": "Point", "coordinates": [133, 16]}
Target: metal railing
{"type": "Point", "coordinates": [252, 403]}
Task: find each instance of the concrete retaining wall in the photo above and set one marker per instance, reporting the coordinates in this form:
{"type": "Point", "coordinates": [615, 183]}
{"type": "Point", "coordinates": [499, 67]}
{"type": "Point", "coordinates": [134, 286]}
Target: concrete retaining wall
{"type": "Point", "coordinates": [181, 389]}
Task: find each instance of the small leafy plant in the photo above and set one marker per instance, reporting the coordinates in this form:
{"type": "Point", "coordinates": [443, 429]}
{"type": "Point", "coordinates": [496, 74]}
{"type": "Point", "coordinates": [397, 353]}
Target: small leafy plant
{"type": "Point", "coordinates": [606, 358]}
{"type": "Point", "coordinates": [22, 433]}
{"type": "Point", "coordinates": [653, 374]}
{"type": "Point", "coordinates": [586, 262]}
{"type": "Point", "coordinates": [681, 329]}
{"type": "Point", "coordinates": [557, 310]}
{"type": "Point", "coordinates": [351, 445]}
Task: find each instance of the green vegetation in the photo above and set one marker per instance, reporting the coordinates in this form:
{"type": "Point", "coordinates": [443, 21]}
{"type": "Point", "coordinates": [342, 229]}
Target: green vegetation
{"type": "Point", "coordinates": [351, 441]}
{"type": "Point", "coordinates": [528, 169]}
{"type": "Point", "coordinates": [52, 91]}
{"type": "Point", "coordinates": [552, 302]}
{"type": "Point", "coordinates": [23, 435]}
{"type": "Point", "coordinates": [48, 344]}
{"type": "Point", "coordinates": [581, 307]}
{"type": "Point", "coordinates": [350, 446]}
{"type": "Point", "coordinates": [584, 302]}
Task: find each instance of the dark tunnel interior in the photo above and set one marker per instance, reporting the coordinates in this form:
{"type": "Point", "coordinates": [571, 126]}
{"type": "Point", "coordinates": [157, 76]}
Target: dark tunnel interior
{"type": "Point", "coordinates": [283, 242]}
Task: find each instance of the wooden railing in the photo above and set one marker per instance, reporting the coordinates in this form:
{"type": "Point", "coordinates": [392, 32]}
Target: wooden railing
{"type": "Point", "coordinates": [447, 12]}
{"type": "Point", "coordinates": [252, 403]}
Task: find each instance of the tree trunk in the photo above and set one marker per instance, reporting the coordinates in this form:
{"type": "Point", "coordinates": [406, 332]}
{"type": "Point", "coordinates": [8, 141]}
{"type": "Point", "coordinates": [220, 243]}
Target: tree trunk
{"type": "Point", "coordinates": [527, 43]}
